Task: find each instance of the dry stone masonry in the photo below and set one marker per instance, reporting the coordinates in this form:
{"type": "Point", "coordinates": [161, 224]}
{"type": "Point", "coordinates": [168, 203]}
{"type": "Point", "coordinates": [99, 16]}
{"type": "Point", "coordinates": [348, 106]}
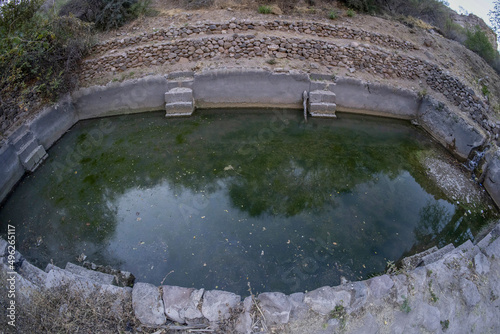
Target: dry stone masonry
{"type": "Point", "coordinates": [235, 26]}
{"type": "Point", "coordinates": [377, 54]}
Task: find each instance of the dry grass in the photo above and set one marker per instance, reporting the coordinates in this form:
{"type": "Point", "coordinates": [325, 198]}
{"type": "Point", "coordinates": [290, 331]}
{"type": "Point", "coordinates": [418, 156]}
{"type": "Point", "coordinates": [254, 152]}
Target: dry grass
{"type": "Point", "coordinates": [414, 22]}
{"type": "Point", "coordinates": [61, 311]}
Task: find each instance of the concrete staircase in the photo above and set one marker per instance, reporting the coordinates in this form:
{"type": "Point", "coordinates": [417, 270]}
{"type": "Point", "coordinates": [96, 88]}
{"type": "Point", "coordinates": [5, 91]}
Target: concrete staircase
{"type": "Point", "coordinates": [27, 148]}
{"type": "Point", "coordinates": [434, 254]}
{"type": "Point", "coordinates": [321, 96]}
{"type": "Point", "coordinates": [179, 100]}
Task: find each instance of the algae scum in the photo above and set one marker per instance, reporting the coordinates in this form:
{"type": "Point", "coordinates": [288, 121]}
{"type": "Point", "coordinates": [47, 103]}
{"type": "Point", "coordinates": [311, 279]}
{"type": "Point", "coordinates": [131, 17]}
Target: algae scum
{"type": "Point", "coordinates": [221, 199]}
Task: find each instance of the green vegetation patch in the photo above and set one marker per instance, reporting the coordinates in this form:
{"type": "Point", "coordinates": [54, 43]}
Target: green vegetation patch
{"type": "Point", "coordinates": [263, 9]}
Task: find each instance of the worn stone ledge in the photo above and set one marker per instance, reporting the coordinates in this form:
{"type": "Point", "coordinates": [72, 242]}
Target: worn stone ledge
{"type": "Point", "coordinates": [457, 290]}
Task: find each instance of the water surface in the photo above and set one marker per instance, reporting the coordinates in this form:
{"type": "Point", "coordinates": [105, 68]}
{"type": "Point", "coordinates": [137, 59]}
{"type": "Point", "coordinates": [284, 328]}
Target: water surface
{"type": "Point", "coordinates": [221, 199]}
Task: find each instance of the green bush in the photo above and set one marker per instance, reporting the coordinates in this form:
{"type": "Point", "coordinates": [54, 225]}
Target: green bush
{"type": "Point", "coordinates": [366, 6]}
{"type": "Point", "coordinates": [333, 15]}
{"type": "Point", "coordinates": [143, 8]}
{"type": "Point", "coordinates": [85, 10]}
{"type": "Point", "coordinates": [107, 14]}
{"type": "Point", "coordinates": [351, 12]}
{"type": "Point", "coordinates": [454, 31]}
{"type": "Point", "coordinates": [264, 9]}
{"type": "Point", "coordinates": [114, 14]}
{"type": "Point", "coordinates": [38, 55]}
{"type": "Point", "coordinates": [478, 42]}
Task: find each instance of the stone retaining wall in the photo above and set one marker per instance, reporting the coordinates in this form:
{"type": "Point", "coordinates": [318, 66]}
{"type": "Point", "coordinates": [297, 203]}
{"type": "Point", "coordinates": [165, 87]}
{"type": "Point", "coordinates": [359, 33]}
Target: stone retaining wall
{"type": "Point", "coordinates": [355, 56]}
{"type": "Point", "coordinates": [235, 26]}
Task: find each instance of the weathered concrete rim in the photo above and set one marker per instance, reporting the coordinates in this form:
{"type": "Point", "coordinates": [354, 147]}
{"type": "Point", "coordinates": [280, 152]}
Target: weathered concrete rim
{"type": "Point", "coordinates": [241, 87]}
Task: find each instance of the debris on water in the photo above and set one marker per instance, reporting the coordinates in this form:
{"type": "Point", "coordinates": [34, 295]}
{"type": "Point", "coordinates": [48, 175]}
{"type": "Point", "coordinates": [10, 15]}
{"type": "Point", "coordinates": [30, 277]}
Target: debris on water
{"type": "Point", "coordinates": [39, 241]}
{"type": "Point", "coordinates": [81, 257]}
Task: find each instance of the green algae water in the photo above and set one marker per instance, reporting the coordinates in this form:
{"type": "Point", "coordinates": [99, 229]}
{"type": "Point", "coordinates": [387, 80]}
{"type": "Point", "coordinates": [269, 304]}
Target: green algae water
{"type": "Point", "coordinates": [221, 199]}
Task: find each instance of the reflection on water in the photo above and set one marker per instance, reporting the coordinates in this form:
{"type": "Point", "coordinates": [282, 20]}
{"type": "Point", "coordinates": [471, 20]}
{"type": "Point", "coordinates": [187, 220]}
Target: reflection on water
{"type": "Point", "coordinates": [217, 200]}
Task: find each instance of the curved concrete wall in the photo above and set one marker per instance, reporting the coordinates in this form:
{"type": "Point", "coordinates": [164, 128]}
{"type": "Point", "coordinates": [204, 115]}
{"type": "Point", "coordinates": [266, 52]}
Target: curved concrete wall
{"type": "Point", "coordinates": [249, 88]}
{"type": "Point", "coordinates": [455, 133]}
{"type": "Point", "coordinates": [133, 96]}
{"type": "Point", "coordinates": [375, 99]}
{"type": "Point", "coordinates": [54, 121]}
{"type": "Point", "coordinates": [255, 88]}
{"type": "Point", "coordinates": [492, 177]}
{"type": "Point", "coordinates": [11, 170]}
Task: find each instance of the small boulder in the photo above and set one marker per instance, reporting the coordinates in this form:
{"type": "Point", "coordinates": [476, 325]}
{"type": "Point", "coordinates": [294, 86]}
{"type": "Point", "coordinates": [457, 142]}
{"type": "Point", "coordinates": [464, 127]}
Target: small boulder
{"type": "Point", "coordinates": [181, 304]}
{"type": "Point", "coordinates": [380, 286]}
{"type": "Point", "coordinates": [324, 300]}
{"type": "Point", "coordinates": [276, 307]}
{"type": "Point", "coordinates": [217, 304]}
{"type": "Point", "coordinates": [147, 304]}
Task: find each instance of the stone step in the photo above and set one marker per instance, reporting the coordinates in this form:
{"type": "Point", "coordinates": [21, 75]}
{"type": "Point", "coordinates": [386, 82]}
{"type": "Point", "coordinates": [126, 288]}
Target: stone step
{"type": "Point", "coordinates": [179, 109]}
{"type": "Point", "coordinates": [180, 80]}
{"type": "Point", "coordinates": [185, 75]}
{"type": "Point", "coordinates": [90, 274]}
{"type": "Point", "coordinates": [50, 266]}
{"type": "Point", "coordinates": [57, 277]}
{"type": "Point", "coordinates": [411, 262]}
{"type": "Point", "coordinates": [322, 109]}
{"type": "Point", "coordinates": [25, 151]}
{"type": "Point", "coordinates": [34, 159]}
{"type": "Point", "coordinates": [122, 278]}
{"type": "Point", "coordinates": [320, 96]}
{"type": "Point", "coordinates": [185, 83]}
{"type": "Point", "coordinates": [3, 247]}
{"type": "Point", "coordinates": [324, 82]}
{"type": "Point", "coordinates": [321, 77]}
{"type": "Point", "coordinates": [437, 255]}
{"type": "Point", "coordinates": [179, 94]}
{"type": "Point", "coordinates": [467, 249]}
{"type": "Point", "coordinates": [22, 139]}
{"type": "Point", "coordinates": [322, 85]}
{"type": "Point", "coordinates": [33, 274]}
{"type": "Point", "coordinates": [179, 102]}
{"type": "Point", "coordinates": [488, 239]}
